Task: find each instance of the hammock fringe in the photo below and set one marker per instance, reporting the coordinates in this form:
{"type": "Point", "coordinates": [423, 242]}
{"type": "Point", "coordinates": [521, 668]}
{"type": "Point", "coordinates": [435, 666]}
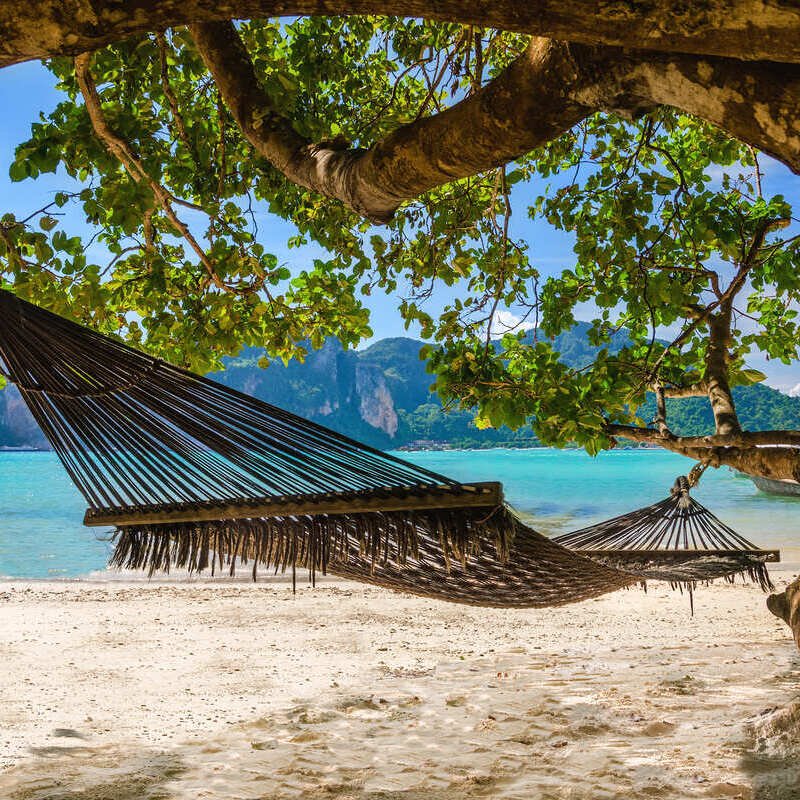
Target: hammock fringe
{"type": "Point", "coordinates": [692, 570]}
{"type": "Point", "coordinates": [314, 542]}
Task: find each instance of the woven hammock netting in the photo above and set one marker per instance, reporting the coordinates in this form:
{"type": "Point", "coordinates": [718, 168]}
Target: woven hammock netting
{"type": "Point", "coordinates": [192, 473]}
{"type": "Point", "coordinates": [676, 540]}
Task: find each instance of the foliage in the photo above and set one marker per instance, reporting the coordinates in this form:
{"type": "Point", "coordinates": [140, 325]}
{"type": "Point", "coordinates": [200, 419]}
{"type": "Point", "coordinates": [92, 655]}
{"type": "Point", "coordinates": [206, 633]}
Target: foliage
{"type": "Point", "coordinates": [664, 210]}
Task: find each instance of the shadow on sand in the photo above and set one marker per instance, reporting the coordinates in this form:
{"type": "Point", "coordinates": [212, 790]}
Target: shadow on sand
{"type": "Point", "coordinates": [83, 774]}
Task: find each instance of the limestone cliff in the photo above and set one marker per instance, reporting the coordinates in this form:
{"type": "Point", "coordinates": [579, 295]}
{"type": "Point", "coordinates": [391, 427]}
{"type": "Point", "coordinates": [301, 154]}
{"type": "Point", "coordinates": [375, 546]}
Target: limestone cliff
{"type": "Point", "coordinates": [17, 426]}
{"type": "Point", "coordinates": [376, 406]}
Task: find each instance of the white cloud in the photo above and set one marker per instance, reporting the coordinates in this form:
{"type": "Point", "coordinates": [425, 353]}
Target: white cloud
{"type": "Point", "coordinates": [794, 391]}
{"type": "Point", "coordinates": [506, 322]}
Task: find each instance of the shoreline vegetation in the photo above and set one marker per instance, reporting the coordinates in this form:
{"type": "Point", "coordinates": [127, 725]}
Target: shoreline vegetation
{"type": "Point", "coordinates": [441, 447]}
{"type": "Point", "coordinates": [422, 447]}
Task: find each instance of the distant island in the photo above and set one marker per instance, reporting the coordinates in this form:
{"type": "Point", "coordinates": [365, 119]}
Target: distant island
{"type": "Point", "coordinates": [381, 396]}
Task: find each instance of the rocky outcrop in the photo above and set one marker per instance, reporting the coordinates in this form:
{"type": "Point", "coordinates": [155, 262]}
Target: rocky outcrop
{"type": "Point", "coordinates": [376, 405]}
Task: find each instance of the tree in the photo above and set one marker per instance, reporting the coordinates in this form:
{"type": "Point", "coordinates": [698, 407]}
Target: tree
{"type": "Point", "coordinates": [338, 122]}
{"type": "Point", "coordinates": [397, 146]}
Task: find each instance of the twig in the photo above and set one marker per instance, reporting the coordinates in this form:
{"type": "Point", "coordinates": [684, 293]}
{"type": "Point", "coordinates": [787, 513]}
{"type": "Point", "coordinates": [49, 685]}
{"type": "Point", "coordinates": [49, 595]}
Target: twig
{"type": "Point", "coordinates": [172, 100]}
{"type": "Point", "coordinates": [120, 149]}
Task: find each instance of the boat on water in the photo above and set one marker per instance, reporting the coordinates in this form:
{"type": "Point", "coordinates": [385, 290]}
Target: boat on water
{"type": "Point", "coordinates": [772, 486]}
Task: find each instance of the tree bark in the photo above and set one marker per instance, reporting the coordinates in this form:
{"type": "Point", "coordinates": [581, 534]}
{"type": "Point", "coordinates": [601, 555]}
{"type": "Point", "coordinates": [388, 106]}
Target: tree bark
{"type": "Point", "coordinates": [550, 88]}
{"type": "Point", "coordinates": [761, 453]}
{"type": "Point", "coordinates": [716, 377]}
{"type": "Point", "coordinates": [743, 29]}
{"type": "Point", "coordinates": [757, 103]}
{"type": "Point", "coordinates": [778, 463]}
{"type": "Point", "coordinates": [786, 606]}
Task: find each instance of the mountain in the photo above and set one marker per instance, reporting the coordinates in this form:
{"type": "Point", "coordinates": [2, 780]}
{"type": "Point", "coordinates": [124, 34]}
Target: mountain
{"type": "Point", "coordinates": [381, 396]}
{"type": "Point", "coordinates": [17, 426]}
{"type": "Point", "coordinates": [574, 347]}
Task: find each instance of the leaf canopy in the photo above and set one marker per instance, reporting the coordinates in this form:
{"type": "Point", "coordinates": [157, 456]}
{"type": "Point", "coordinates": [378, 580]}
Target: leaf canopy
{"type": "Point", "coordinates": [663, 211]}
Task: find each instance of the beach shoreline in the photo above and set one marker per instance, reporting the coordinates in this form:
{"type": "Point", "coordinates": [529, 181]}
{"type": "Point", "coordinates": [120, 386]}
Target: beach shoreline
{"type": "Point", "coordinates": [236, 690]}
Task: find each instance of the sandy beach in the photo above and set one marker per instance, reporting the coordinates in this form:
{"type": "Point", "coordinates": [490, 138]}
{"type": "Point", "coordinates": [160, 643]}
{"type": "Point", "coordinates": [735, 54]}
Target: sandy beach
{"type": "Point", "coordinates": [137, 691]}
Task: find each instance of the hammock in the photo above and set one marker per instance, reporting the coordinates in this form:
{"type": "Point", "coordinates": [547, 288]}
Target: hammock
{"type": "Point", "coordinates": [194, 474]}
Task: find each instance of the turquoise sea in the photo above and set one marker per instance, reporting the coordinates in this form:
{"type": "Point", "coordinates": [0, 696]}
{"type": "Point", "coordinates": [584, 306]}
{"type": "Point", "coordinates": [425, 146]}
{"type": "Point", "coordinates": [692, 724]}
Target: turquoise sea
{"type": "Point", "coordinates": [41, 535]}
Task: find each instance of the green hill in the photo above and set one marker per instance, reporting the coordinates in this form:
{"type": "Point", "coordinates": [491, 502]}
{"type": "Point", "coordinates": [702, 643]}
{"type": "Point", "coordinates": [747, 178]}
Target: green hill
{"type": "Point", "coordinates": [381, 395]}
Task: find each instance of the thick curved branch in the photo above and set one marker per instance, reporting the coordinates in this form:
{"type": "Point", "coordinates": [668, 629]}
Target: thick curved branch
{"type": "Point", "coordinates": [525, 107]}
{"type": "Point", "coordinates": [550, 88]}
{"type": "Point", "coordinates": [745, 29]}
{"type": "Point", "coordinates": [770, 454]}
{"type": "Point", "coordinates": [777, 463]}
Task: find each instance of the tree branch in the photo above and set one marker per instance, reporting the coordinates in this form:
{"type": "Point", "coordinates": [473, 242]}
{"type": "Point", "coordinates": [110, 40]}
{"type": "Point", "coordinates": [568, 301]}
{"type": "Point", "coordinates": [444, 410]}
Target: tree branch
{"type": "Point", "coordinates": [660, 420]}
{"type": "Point", "coordinates": [724, 300]}
{"type": "Point", "coordinates": [119, 148]}
{"type": "Point", "coordinates": [695, 390]}
{"type": "Point", "coordinates": [748, 452]}
{"type": "Point", "coordinates": [745, 29]}
{"type": "Point", "coordinates": [739, 439]}
{"type": "Point", "coordinates": [719, 339]}
{"type": "Point", "coordinates": [525, 107]}
{"type": "Point", "coordinates": [786, 606]}
{"type": "Point", "coordinates": [757, 103]}
{"type": "Point", "coordinates": [172, 100]}
{"type": "Point", "coordinates": [550, 88]}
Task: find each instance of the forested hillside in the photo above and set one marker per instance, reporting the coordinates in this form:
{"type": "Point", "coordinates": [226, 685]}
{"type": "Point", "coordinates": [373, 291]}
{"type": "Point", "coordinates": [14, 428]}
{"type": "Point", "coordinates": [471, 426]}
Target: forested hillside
{"type": "Point", "coordinates": [381, 396]}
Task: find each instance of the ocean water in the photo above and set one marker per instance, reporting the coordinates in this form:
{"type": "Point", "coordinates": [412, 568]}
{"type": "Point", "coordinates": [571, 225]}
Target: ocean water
{"type": "Point", "coordinates": [41, 535]}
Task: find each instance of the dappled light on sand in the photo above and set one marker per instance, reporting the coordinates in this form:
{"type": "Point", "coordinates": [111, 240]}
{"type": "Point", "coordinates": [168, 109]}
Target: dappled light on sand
{"type": "Point", "coordinates": [182, 691]}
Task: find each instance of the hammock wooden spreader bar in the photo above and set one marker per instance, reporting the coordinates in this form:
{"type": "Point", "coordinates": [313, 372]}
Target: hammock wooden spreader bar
{"type": "Point", "coordinates": [194, 474]}
{"type": "Point", "coordinates": [472, 495]}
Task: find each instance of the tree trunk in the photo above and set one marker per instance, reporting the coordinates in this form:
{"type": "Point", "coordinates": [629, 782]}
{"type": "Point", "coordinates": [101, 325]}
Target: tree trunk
{"type": "Point", "coordinates": [742, 29]}
{"type": "Point", "coordinates": [716, 378]}
{"type": "Point", "coordinates": [786, 606]}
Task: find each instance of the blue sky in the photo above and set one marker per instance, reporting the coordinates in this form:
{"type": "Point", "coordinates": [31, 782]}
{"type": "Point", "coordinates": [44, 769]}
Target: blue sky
{"type": "Point", "coordinates": [28, 89]}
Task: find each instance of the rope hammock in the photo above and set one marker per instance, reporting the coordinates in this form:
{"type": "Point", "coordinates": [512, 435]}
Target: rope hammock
{"type": "Point", "coordinates": [192, 473]}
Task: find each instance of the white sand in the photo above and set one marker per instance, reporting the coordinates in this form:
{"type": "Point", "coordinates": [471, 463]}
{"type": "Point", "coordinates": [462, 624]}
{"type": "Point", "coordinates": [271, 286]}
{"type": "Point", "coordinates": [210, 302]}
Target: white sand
{"type": "Point", "coordinates": [143, 692]}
